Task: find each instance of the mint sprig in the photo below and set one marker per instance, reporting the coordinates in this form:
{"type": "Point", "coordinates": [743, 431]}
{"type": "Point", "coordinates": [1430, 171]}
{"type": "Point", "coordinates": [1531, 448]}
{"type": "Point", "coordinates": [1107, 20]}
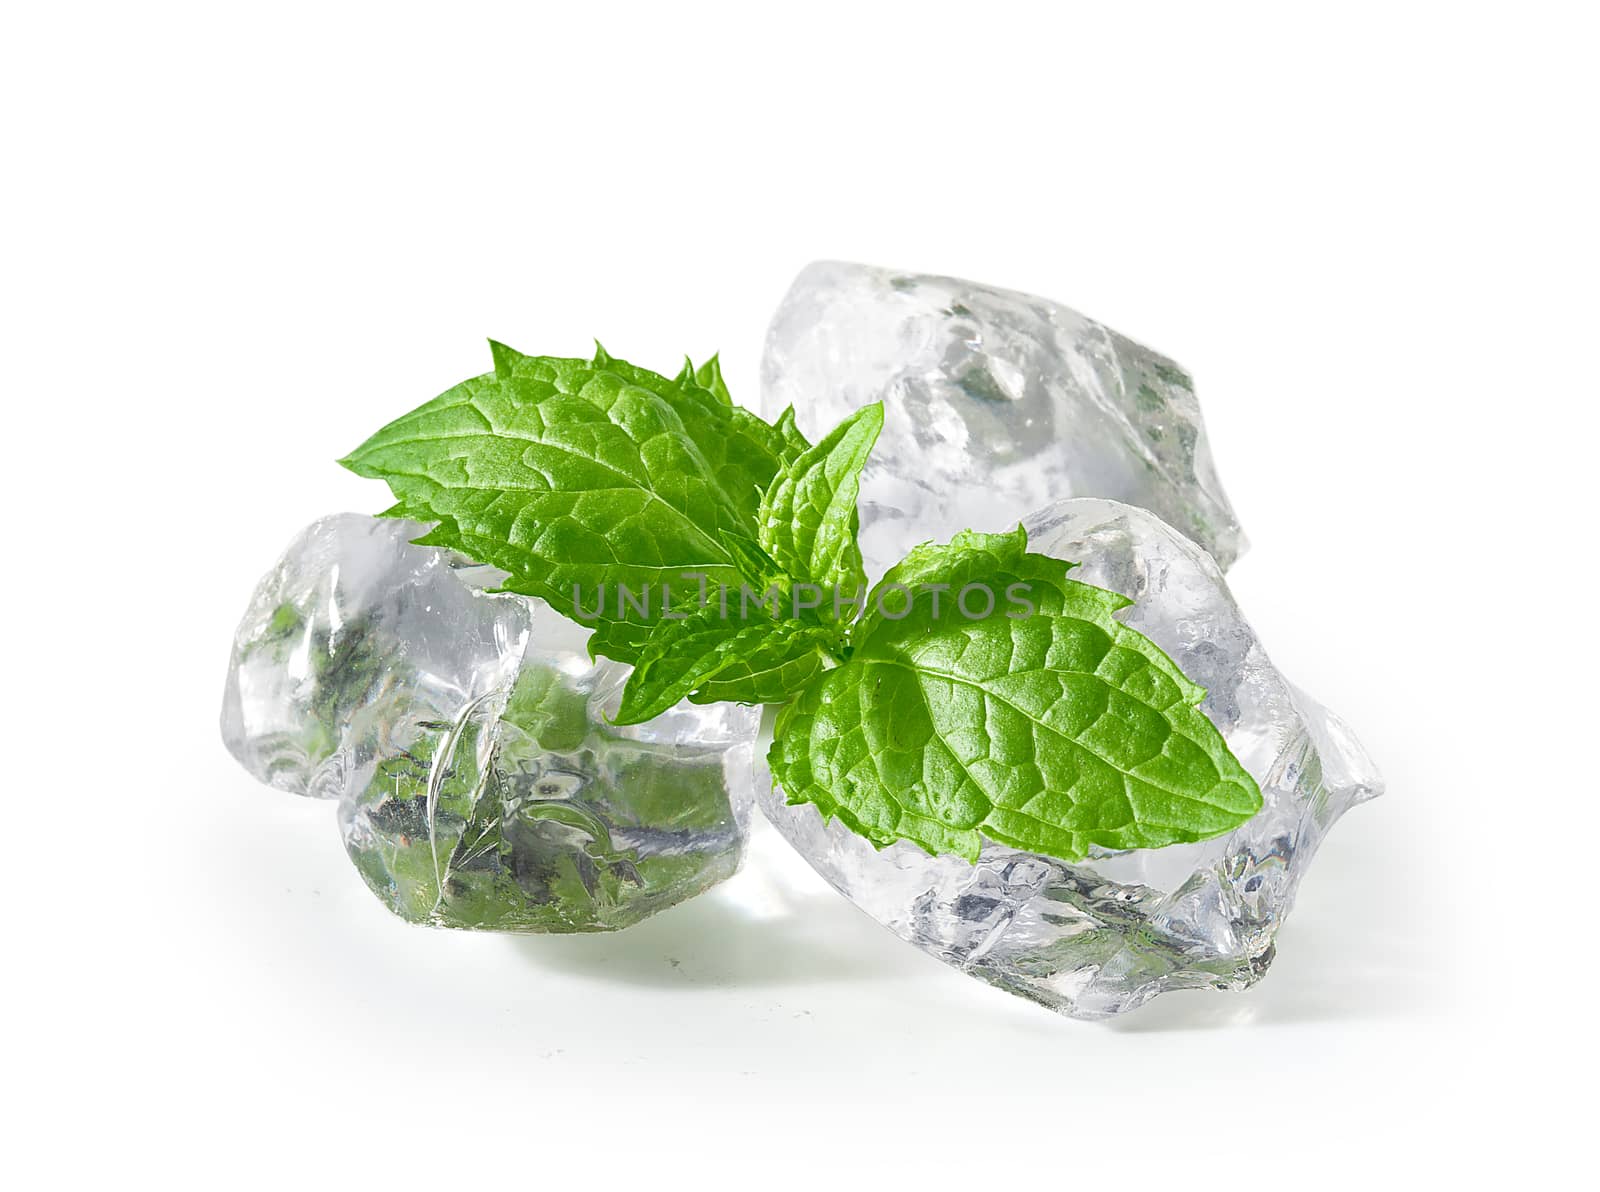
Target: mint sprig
{"type": "Point", "coordinates": [976, 693]}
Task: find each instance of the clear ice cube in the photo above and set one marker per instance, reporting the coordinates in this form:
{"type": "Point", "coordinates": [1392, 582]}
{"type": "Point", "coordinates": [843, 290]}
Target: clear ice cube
{"type": "Point", "coordinates": [467, 737]}
{"type": "Point", "coordinates": [1104, 935]}
{"type": "Point", "coordinates": [355, 634]}
{"type": "Point", "coordinates": [996, 404]}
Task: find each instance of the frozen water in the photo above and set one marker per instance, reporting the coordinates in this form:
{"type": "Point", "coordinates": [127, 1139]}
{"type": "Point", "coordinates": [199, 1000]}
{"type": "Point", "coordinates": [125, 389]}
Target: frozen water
{"type": "Point", "coordinates": [1106, 934]}
{"type": "Point", "coordinates": [356, 635]}
{"type": "Point", "coordinates": [531, 812]}
{"type": "Point", "coordinates": [467, 737]}
{"type": "Point", "coordinates": [997, 403]}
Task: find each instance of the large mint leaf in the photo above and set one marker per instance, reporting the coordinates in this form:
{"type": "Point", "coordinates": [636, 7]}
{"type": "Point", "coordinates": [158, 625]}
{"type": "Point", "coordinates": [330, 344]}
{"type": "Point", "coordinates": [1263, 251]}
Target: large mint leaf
{"type": "Point", "coordinates": [577, 476]}
{"type": "Point", "coordinates": [729, 650]}
{"type": "Point", "coordinates": [1049, 731]}
{"type": "Point", "coordinates": [808, 520]}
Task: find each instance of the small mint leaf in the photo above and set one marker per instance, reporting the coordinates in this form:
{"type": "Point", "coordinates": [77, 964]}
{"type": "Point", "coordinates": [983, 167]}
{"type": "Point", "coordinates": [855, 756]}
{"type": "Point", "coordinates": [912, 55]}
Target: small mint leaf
{"type": "Point", "coordinates": [773, 670]}
{"type": "Point", "coordinates": [808, 521]}
{"type": "Point", "coordinates": [747, 656]}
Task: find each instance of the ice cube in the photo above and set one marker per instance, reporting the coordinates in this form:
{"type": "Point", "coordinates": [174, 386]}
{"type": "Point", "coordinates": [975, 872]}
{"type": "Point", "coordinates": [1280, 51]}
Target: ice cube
{"type": "Point", "coordinates": [356, 628]}
{"type": "Point", "coordinates": [996, 403]}
{"type": "Point", "coordinates": [1104, 935]}
{"type": "Point", "coordinates": [467, 737]}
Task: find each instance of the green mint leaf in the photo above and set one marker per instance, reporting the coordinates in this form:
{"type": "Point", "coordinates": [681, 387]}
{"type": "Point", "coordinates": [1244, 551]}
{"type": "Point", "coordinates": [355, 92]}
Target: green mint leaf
{"type": "Point", "coordinates": [776, 669]}
{"type": "Point", "coordinates": [580, 476]}
{"type": "Point", "coordinates": [735, 653]}
{"type": "Point", "coordinates": [1051, 731]}
{"type": "Point", "coordinates": [808, 521]}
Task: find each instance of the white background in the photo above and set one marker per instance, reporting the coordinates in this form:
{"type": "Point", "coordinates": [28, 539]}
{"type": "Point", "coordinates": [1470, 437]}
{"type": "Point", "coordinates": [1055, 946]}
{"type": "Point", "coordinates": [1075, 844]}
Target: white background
{"type": "Point", "coordinates": [238, 240]}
